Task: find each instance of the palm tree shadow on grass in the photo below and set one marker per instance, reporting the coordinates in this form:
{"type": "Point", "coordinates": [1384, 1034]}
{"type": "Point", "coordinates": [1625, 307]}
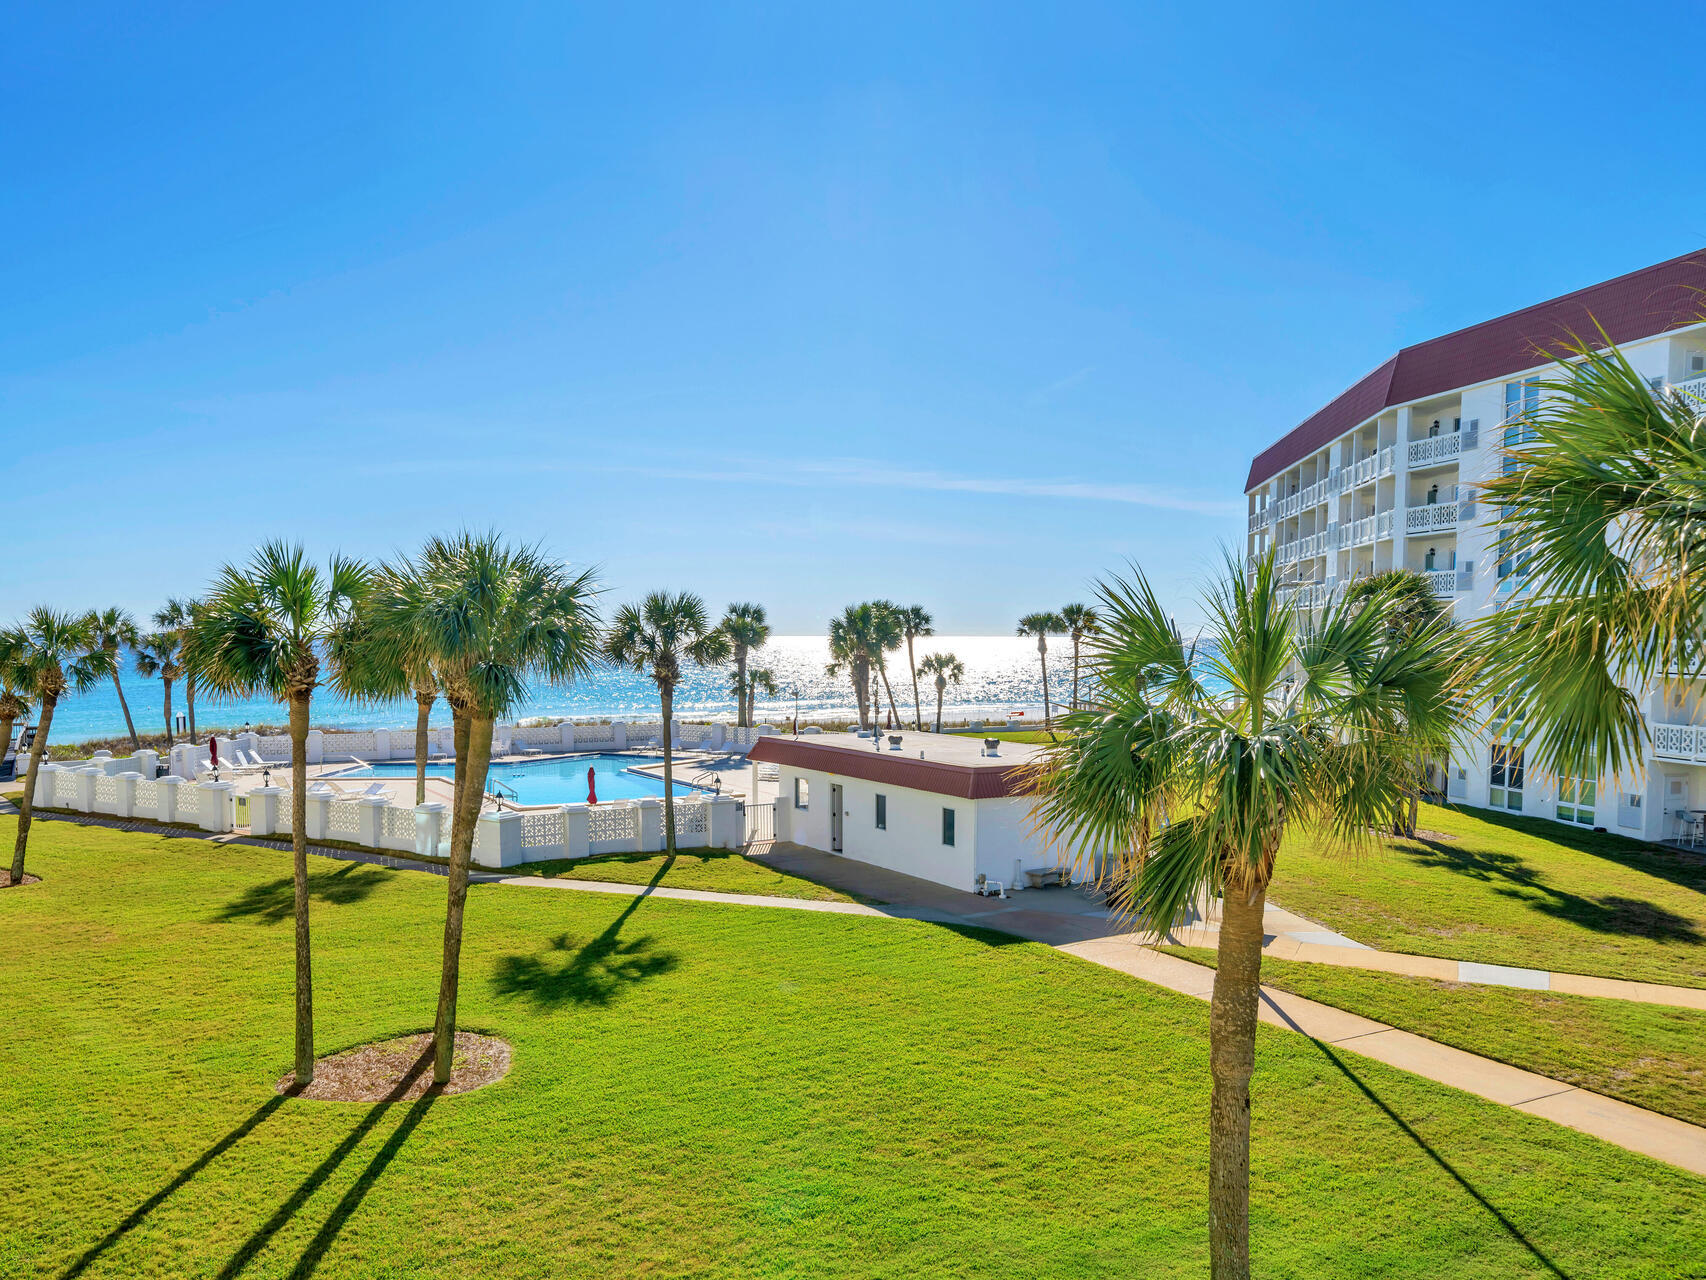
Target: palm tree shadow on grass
{"type": "Point", "coordinates": [1514, 877]}
{"type": "Point", "coordinates": [134, 1218]}
{"type": "Point", "coordinates": [275, 901]}
{"type": "Point", "coordinates": [352, 1198]}
{"type": "Point", "coordinates": [593, 974]}
{"type": "Point", "coordinates": [1505, 1224]}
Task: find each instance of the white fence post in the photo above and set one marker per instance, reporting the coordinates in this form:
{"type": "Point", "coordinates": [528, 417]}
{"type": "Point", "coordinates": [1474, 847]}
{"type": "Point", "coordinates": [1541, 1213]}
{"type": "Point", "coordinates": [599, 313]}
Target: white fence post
{"type": "Point", "coordinates": [263, 810]}
{"type": "Point", "coordinates": [85, 795]}
{"type": "Point", "coordinates": [577, 831]}
{"type": "Point", "coordinates": [719, 735]}
{"type": "Point", "coordinates": [725, 832]}
{"type": "Point", "coordinates": [148, 763]}
{"type": "Point", "coordinates": [497, 839]}
{"type": "Point", "coordinates": [45, 782]}
{"type": "Point", "coordinates": [316, 747]}
{"type": "Point", "coordinates": [568, 738]}
{"type": "Point", "coordinates": [619, 734]}
{"type": "Point", "coordinates": [370, 820]}
{"type": "Point", "coordinates": [127, 793]}
{"type": "Point", "coordinates": [381, 744]}
{"type": "Point", "coordinates": [651, 824]}
{"type": "Point", "coordinates": [169, 797]}
{"type": "Point", "coordinates": [217, 801]}
{"type": "Point", "coordinates": [427, 829]}
{"type": "Point", "coordinates": [315, 817]}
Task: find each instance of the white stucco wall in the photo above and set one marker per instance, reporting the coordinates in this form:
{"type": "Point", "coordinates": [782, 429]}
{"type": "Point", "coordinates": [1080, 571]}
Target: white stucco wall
{"type": "Point", "coordinates": [990, 836]}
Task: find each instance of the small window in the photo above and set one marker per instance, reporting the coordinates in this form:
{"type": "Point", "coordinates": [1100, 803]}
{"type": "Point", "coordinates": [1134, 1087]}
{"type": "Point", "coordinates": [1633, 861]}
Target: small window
{"type": "Point", "coordinates": [947, 826]}
{"type": "Point", "coordinates": [802, 793]}
{"type": "Point", "coordinates": [882, 813]}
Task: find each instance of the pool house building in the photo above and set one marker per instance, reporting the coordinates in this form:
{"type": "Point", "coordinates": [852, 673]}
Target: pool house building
{"type": "Point", "coordinates": [1385, 476]}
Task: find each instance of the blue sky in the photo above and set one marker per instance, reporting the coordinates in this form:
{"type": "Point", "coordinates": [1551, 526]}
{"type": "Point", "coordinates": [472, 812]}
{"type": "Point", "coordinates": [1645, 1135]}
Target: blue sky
{"type": "Point", "coordinates": [803, 304]}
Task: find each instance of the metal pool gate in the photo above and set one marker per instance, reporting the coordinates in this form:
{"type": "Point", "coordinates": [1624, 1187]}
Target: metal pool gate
{"type": "Point", "coordinates": [760, 821]}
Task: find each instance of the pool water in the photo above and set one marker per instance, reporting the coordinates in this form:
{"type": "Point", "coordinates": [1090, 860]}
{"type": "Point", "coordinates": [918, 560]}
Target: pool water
{"type": "Point", "coordinates": [560, 781]}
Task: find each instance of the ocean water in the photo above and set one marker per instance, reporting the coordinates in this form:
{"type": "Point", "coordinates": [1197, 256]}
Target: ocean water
{"type": "Point", "coordinates": [1003, 677]}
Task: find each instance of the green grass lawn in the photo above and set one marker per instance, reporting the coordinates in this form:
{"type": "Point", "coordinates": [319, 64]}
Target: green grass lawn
{"type": "Point", "coordinates": [1650, 1055]}
{"type": "Point", "coordinates": [717, 870]}
{"type": "Point", "coordinates": [1511, 890]}
{"type": "Point", "coordinates": [709, 1091]}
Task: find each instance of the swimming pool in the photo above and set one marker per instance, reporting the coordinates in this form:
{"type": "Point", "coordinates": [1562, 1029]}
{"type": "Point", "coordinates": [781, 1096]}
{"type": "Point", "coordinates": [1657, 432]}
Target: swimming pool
{"type": "Point", "coordinates": [559, 781]}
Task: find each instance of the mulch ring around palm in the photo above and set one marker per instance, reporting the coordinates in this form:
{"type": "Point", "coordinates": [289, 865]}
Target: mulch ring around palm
{"type": "Point", "coordinates": [399, 1069]}
{"type": "Point", "coordinates": [6, 879]}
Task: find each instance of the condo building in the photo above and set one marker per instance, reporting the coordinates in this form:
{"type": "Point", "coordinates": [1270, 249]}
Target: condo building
{"type": "Point", "coordinates": [1385, 476]}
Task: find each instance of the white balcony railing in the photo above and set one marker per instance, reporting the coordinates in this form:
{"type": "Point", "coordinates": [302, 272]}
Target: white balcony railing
{"type": "Point", "coordinates": [1383, 525]}
{"type": "Point", "coordinates": [1693, 391]}
{"type": "Point", "coordinates": [1258, 519]}
{"type": "Point", "coordinates": [1680, 742]}
{"type": "Point", "coordinates": [1443, 581]}
{"type": "Point", "coordinates": [1435, 450]}
{"type": "Point", "coordinates": [1435, 515]}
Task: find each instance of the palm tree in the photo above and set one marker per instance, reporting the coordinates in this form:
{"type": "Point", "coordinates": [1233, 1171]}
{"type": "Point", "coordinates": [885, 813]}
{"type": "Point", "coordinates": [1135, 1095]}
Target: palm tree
{"type": "Point", "coordinates": [1413, 605]}
{"type": "Point", "coordinates": [179, 616]}
{"type": "Point", "coordinates": [261, 631]}
{"type": "Point", "coordinates": [55, 653]}
{"type": "Point", "coordinates": [115, 631]}
{"type": "Point", "coordinates": [14, 705]}
{"type": "Point", "coordinates": [1039, 625]}
{"type": "Point", "coordinates": [759, 680]}
{"type": "Point", "coordinates": [1195, 764]}
{"type": "Point", "coordinates": [1602, 514]}
{"type": "Point", "coordinates": [1079, 620]}
{"type": "Point", "coordinates": [157, 654]}
{"type": "Point", "coordinates": [486, 618]}
{"type": "Point", "coordinates": [886, 637]}
{"type": "Point", "coordinates": [852, 638]}
{"type": "Point", "coordinates": [945, 667]}
{"type": "Point", "coordinates": [747, 629]}
{"type": "Point", "coordinates": [653, 637]}
{"type": "Point", "coordinates": [914, 623]}
{"type": "Point", "coordinates": [375, 668]}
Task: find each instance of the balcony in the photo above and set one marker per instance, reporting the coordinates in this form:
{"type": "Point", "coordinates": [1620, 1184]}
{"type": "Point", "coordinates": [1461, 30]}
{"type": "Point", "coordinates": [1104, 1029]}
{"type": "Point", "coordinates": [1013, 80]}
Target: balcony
{"type": "Point", "coordinates": [1435, 450]}
{"type": "Point", "coordinates": [1258, 519]}
{"type": "Point", "coordinates": [1692, 393]}
{"type": "Point", "coordinates": [1369, 469]}
{"type": "Point", "coordinates": [1431, 516]}
{"type": "Point", "coordinates": [1442, 581]}
{"type": "Point", "coordinates": [1685, 742]}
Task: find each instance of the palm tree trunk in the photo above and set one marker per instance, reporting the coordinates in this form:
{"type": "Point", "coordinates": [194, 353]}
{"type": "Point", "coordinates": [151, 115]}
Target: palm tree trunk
{"type": "Point", "coordinates": [1232, 1060]}
{"type": "Point", "coordinates": [1043, 654]}
{"type": "Point", "coordinates": [299, 874]}
{"type": "Point", "coordinates": [6, 736]}
{"type": "Point", "coordinates": [129, 724]}
{"type": "Point", "coordinates": [741, 712]}
{"type": "Point", "coordinates": [894, 712]}
{"type": "Point", "coordinates": [667, 693]}
{"type": "Point", "coordinates": [167, 681]}
{"type": "Point", "coordinates": [27, 802]}
{"type": "Point", "coordinates": [476, 736]}
{"type": "Point", "coordinates": [189, 704]}
{"type": "Point", "coordinates": [917, 705]}
{"type": "Point", "coordinates": [423, 709]}
{"type": "Point", "coordinates": [941, 688]}
{"type": "Point", "coordinates": [860, 691]}
{"type": "Point", "coordinates": [459, 769]}
{"type": "Point", "coordinates": [1075, 672]}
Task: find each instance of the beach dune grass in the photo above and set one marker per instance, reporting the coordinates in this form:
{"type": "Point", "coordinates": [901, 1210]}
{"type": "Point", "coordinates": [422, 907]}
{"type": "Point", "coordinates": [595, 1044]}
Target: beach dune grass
{"type": "Point", "coordinates": [708, 1090]}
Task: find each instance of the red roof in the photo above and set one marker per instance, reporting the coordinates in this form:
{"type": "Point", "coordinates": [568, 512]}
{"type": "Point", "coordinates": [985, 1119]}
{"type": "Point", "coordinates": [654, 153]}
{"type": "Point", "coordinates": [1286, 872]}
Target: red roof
{"type": "Point", "coordinates": [1637, 305]}
{"type": "Point", "coordinates": [967, 782]}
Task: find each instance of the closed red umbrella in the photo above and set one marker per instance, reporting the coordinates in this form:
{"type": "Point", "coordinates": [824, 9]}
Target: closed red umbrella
{"type": "Point", "coordinates": [213, 750]}
{"type": "Point", "coordinates": [591, 786]}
